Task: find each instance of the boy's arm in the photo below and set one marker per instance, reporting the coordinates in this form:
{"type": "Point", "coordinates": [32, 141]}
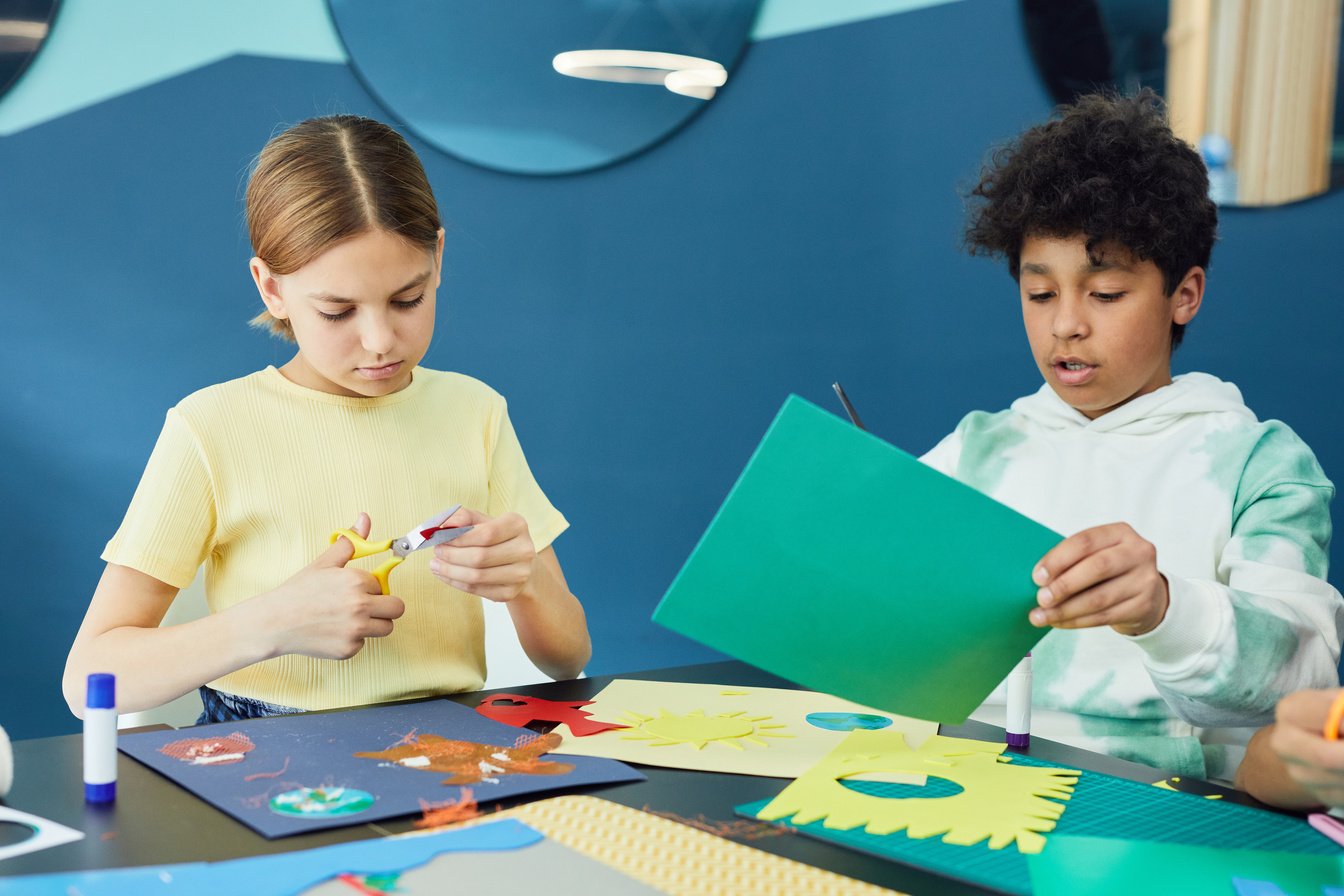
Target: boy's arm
{"type": "Point", "coordinates": [1221, 652]}
{"type": "Point", "coordinates": [1229, 650]}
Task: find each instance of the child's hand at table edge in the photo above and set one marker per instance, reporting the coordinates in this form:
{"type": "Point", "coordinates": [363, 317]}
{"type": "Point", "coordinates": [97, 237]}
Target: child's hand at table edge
{"type": "Point", "coordinates": [1106, 575]}
{"type": "Point", "coordinates": [1315, 764]}
{"type": "Point", "coordinates": [495, 560]}
{"type": "Point", "coordinates": [327, 610]}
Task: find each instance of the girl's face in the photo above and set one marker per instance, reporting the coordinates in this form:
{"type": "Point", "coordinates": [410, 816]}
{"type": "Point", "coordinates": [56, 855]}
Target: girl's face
{"type": "Point", "coordinates": [362, 313]}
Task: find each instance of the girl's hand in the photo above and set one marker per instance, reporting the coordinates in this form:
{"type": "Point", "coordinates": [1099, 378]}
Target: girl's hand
{"type": "Point", "coordinates": [1106, 575]}
{"type": "Point", "coordinates": [495, 560]}
{"type": "Point", "coordinates": [326, 610]}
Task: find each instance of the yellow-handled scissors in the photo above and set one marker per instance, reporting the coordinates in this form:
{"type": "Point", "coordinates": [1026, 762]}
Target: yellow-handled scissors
{"type": "Point", "coordinates": [426, 535]}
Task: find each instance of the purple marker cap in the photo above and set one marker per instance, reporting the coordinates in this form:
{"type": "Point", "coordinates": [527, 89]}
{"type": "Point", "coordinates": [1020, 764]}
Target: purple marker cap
{"type": "Point", "coordinates": [1018, 741]}
{"type": "Point", "coordinates": [102, 693]}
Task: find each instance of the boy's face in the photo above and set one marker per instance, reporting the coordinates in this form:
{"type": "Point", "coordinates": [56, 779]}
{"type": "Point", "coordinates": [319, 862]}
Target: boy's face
{"type": "Point", "coordinates": [362, 313]}
{"type": "Point", "coordinates": [1100, 333]}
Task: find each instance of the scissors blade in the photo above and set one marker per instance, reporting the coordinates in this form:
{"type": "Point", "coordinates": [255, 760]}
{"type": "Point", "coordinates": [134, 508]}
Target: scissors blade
{"type": "Point", "coordinates": [429, 533]}
{"type": "Point", "coordinates": [445, 535]}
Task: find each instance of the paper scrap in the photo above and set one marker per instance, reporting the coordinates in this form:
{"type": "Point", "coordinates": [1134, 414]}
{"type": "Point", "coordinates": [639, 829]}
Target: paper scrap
{"type": "Point", "coordinates": [1103, 866]}
{"type": "Point", "coordinates": [46, 834]}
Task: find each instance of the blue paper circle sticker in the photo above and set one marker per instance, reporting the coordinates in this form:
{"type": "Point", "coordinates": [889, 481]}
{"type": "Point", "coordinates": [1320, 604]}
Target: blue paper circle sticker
{"type": "Point", "coordinates": [321, 802]}
{"type": "Point", "coordinates": [847, 721]}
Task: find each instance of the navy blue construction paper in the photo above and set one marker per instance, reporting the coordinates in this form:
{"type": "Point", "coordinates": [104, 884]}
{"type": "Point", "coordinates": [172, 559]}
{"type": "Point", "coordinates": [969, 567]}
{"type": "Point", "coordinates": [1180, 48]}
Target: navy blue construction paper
{"type": "Point", "coordinates": [316, 750]}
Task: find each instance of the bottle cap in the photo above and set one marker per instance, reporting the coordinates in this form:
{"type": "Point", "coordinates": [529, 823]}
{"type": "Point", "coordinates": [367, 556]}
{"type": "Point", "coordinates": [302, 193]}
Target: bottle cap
{"type": "Point", "coordinates": [102, 693]}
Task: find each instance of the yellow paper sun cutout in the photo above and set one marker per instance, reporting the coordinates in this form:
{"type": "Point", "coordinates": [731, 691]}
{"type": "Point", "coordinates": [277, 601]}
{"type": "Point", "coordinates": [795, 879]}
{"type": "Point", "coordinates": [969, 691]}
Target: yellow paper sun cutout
{"type": "Point", "coordinates": [732, 729]}
{"type": "Point", "coordinates": [999, 801]}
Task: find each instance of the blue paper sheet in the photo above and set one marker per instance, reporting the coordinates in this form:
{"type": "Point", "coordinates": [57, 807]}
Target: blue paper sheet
{"type": "Point", "coordinates": [275, 875]}
{"type": "Point", "coordinates": [292, 774]}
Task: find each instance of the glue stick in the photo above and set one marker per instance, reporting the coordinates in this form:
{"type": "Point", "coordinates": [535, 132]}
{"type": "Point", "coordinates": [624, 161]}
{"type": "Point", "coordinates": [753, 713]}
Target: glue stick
{"type": "Point", "coordinates": [100, 739]}
{"type": "Point", "coordinates": [1017, 711]}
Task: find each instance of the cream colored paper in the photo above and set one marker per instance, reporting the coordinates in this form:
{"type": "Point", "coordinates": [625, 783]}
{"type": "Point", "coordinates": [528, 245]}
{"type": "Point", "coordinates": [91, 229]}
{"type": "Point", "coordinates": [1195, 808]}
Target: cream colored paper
{"type": "Point", "coordinates": [725, 728]}
{"type": "Point", "coordinates": [674, 858]}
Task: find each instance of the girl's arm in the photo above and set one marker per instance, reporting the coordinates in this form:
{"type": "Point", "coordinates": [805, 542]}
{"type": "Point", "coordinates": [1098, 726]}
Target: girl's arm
{"type": "Point", "coordinates": [324, 610]}
{"type": "Point", "coordinates": [153, 665]}
{"type": "Point", "coordinates": [497, 560]}
{"type": "Point", "coordinates": [550, 622]}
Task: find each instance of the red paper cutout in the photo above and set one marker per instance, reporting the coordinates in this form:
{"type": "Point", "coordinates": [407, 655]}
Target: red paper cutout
{"type": "Point", "coordinates": [472, 763]}
{"type": "Point", "coordinates": [519, 710]}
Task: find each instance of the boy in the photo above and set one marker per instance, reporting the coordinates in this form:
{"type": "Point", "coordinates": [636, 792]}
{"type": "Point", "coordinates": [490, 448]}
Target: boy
{"type": "Point", "coordinates": [1190, 597]}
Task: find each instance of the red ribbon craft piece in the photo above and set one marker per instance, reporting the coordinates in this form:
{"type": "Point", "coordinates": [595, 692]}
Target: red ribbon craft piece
{"type": "Point", "coordinates": [518, 710]}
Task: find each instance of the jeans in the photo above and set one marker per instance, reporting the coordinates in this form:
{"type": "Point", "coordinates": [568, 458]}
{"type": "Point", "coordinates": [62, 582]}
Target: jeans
{"type": "Point", "coordinates": [221, 707]}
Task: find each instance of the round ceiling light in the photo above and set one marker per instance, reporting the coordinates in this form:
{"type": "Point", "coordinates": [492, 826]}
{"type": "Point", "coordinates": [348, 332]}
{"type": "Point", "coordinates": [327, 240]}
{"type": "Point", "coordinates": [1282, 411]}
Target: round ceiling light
{"type": "Point", "coordinates": [686, 75]}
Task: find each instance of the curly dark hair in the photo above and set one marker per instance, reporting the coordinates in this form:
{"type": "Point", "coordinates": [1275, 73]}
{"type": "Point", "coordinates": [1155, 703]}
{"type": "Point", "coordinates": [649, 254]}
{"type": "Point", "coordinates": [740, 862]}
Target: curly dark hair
{"type": "Point", "coordinates": [1107, 167]}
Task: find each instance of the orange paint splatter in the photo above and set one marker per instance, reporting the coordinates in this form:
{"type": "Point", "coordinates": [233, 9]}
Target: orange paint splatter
{"type": "Point", "coordinates": [472, 763]}
{"type": "Point", "coordinates": [269, 774]}
{"type": "Point", "coordinates": [449, 812]}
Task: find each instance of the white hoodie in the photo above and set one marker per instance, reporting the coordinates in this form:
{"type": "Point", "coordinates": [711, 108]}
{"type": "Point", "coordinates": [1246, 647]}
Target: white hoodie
{"type": "Point", "coordinates": [1239, 513]}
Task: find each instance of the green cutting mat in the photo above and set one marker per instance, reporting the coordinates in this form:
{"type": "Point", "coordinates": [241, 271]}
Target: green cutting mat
{"type": "Point", "coordinates": [1102, 806]}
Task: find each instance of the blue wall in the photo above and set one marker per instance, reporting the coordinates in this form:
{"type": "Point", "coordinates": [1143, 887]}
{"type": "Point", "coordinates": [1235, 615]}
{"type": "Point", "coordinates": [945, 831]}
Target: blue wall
{"type": "Point", "coordinates": [645, 321]}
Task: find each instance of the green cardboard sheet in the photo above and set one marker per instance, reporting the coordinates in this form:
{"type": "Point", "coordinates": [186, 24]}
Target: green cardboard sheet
{"type": "Point", "coordinates": [844, 564]}
{"type": "Point", "coordinates": [1101, 806]}
{"type": "Point", "coordinates": [1104, 867]}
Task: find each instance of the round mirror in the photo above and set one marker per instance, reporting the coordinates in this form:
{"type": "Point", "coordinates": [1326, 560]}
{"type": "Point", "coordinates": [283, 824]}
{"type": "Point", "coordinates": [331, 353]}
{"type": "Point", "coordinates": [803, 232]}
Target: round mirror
{"type": "Point", "coordinates": [24, 25]}
{"type": "Point", "coordinates": [480, 79]}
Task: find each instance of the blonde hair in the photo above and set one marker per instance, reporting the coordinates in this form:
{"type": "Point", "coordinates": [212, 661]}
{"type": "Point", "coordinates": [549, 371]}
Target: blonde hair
{"type": "Point", "coordinates": [328, 179]}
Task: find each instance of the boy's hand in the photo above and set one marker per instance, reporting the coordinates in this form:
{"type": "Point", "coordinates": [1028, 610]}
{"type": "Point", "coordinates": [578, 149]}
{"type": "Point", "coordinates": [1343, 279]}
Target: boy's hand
{"type": "Point", "coordinates": [1106, 575]}
{"type": "Point", "coordinates": [1314, 763]}
{"type": "Point", "coordinates": [326, 610]}
{"type": "Point", "coordinates": [494, 560]}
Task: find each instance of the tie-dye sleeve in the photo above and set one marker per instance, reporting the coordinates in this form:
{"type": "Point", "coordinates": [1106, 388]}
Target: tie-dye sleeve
{"type": "Point", "coordinates": [1270, 624]}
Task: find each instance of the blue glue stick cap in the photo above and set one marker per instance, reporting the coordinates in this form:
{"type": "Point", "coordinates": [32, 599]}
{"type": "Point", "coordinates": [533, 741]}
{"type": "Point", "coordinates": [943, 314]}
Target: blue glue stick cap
{"type": "Point", "coordinates": [100, 793]}
{"type": "Point", "coordinates": [102, 693]}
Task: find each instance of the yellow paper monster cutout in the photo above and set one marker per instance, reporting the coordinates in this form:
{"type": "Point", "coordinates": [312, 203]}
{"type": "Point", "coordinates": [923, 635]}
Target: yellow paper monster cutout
{"type": "Point", "coordinates": [1003, 802]}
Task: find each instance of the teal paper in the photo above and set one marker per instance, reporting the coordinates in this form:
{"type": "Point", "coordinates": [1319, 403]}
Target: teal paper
{"type": "Point", "coordinates": [844, 564]}
{"type": "Point", "coordinates": [1104, 867]}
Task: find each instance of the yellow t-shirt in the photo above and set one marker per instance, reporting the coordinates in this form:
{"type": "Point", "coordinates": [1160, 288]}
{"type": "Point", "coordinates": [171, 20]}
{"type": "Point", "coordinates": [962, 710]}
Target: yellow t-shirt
{"type": "Point", "coordinates": [250, 477]}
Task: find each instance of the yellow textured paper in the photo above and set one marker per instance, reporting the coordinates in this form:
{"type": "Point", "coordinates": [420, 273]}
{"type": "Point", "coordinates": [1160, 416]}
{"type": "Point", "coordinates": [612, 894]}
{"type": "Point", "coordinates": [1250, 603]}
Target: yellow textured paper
{"type": "Point", "coordinates": [1000, 801]}
{"type": "Point", "coordinates": [674, 858]}
{"type": "Point", "coordinates": [721, 728]}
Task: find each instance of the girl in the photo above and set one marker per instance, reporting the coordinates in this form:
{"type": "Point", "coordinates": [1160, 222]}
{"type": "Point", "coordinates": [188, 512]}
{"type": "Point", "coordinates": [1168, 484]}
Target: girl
{"type": "Point", "coordinates": [251, 476]}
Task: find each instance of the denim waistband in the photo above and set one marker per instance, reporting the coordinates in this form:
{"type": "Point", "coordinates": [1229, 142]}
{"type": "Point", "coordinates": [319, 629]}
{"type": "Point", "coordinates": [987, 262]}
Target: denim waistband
{"type": "Point", "coordinates": [218, 706]}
